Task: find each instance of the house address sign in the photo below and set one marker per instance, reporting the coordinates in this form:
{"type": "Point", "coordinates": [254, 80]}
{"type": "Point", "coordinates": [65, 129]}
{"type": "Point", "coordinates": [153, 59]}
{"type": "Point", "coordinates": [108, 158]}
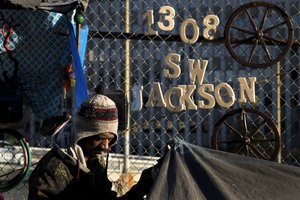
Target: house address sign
{"type": "Point", "coordinates": [183, 93]}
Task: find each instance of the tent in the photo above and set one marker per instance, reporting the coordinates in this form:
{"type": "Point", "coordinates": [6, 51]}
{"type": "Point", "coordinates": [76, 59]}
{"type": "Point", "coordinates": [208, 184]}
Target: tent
{"type": "Point", "coordinates": [197, 173]}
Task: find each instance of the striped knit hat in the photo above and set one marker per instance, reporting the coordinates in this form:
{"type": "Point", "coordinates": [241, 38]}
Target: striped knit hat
{"type": "Point", "coordinates": [98, 114]}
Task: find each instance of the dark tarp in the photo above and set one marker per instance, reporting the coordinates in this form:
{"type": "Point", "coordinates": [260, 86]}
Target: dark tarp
{"type": "Point", "coordinates": [58, 6]}
{"type": "Point", "coordinates": [190, 172]}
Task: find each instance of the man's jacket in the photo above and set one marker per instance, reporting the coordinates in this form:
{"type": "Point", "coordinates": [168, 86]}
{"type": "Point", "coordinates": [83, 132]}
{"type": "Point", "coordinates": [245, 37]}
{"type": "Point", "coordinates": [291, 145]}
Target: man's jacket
{"type": "Point", "coordinates": [58, 176]}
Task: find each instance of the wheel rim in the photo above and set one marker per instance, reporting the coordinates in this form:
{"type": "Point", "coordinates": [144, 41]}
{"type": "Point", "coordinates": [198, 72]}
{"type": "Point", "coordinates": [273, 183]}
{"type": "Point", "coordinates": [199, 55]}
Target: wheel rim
{"type": "Point", "coordinates": [16, 172]}
{"type": "Point", "coordinates": [248, 132]}
{"type": "Point", "coordinates": [258, 34]}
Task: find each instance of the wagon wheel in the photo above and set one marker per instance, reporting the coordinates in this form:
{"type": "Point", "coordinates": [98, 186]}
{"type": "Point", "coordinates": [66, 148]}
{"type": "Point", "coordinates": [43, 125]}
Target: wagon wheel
{"type": "Point", "coordinates": [247, 132]}
{"type": "Point", "coordinates": [258, 34]}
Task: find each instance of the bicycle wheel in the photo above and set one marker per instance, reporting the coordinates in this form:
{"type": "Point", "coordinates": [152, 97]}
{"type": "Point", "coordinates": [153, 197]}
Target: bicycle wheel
{"type": "Point", "coordinates": [15, 159]}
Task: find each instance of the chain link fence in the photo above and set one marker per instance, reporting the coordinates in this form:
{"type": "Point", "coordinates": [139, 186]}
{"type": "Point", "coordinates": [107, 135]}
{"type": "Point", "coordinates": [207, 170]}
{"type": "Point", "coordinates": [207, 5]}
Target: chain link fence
{"type": "Point", "coordinates": [145, 54]}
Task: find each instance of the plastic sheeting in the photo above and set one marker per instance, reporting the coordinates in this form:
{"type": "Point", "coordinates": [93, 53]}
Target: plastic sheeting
{"type": "Point", "coordinates": [190, 172]}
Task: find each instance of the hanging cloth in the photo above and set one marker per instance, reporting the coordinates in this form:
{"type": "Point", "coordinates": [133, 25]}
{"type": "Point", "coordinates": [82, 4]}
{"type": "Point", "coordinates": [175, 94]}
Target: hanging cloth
{"type": "Point", "coordinates": [81, 92]}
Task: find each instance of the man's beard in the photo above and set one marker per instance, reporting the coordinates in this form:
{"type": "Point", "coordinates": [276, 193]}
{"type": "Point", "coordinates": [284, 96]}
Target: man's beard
{"type": "Point", "coordinates": [97, 161]}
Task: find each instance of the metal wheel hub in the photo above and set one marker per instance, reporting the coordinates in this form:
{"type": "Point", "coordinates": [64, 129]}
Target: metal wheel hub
{"type": "Point", "coordinates": [259, 35]}
{"type": "Point", "coordinates": [246, 140]}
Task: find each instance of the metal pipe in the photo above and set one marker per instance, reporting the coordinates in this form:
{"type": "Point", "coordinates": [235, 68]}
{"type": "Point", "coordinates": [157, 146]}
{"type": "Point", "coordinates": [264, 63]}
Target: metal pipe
{"type": "Point", "coordinates": [279, 106]}
{"type": "Point", "coordinates": [127, 90]}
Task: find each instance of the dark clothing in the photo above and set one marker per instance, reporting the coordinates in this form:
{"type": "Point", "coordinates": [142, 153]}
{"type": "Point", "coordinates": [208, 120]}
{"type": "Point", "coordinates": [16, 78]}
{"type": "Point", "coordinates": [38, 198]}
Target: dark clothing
{"type": "Point", "coordinates": [59, 177]}
{"type": "Point", "coordinates": [75, 167]}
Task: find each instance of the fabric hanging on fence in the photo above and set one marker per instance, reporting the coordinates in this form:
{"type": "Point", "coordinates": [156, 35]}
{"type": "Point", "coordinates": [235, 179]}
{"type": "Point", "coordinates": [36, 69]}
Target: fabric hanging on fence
{"type": "Point", "coordinates": [84, 32]}
{"type": "Point", "coordinates": [192, 172]}
{"type": "Point", "coordinates": [81, 92]}
{"type": "Point", "coordinates": [42, 55]}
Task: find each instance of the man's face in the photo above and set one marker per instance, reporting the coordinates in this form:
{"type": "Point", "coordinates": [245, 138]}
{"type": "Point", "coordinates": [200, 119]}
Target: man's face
{"type": "Point", "coordinates": [96, 145]}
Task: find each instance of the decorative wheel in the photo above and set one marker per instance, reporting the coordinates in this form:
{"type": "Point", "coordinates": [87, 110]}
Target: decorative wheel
{"type": "Point", "coordinates": [15, 159]}
{"type": "Point", "coordinates": [258, 34]}
{"type": "Point", "coordinates": [247, 132]}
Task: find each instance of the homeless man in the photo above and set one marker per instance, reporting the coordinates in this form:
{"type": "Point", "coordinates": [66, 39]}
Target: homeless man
{"type": "Point", "coordinates": [79, 171]}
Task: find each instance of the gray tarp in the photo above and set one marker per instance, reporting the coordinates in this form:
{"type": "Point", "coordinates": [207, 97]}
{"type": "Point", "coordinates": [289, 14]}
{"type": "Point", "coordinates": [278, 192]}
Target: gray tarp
{"type": "Point", "coordinates": [190, 172]}
{"type": "Point", "coordinates": [49, 5]}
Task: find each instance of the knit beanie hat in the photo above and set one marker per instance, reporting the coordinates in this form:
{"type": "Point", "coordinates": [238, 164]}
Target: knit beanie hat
{"type": "Point", "coordinates": [98, 114]}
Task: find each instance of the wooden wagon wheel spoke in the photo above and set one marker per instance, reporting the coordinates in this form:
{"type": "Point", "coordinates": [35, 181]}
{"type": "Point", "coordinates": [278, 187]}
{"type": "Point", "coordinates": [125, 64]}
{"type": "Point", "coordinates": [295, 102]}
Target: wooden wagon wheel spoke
{"type": "Point", "coordinates": [245, 126]}
{"type": "Point", "coordinates": [257, 152]}
{"type": "Point", "coordinates": [239, 148]}
{"type": "Point", "coordinates": [253, 152]}
{"type": "Point", "coordinates": [254, 47]}
{"type": "Point", "coordinates": [247, 150]}
{"type": "Point", "coordinates": [238, 42]}
{"type": "Point", "coordinates": [242, 30]}
{"type": "Point", "coordinates": [273, 27]}
{"type": "Point", "coordinates": [229, 141]}
{"type": "Point", "coordinates": [258, 140]}
{"type": "Point", "coordinates": [262, 23]}
{"type": "Point", "coordinates": [251, 20]}
{"type": "Point", "coordinates": [258, 128]}
{"type": "Point", "coordinates": [265, 48]}
{"type": "Point", "coordinates": [233, 129]}
{"type": "Point", "coordinates": [274, 40]}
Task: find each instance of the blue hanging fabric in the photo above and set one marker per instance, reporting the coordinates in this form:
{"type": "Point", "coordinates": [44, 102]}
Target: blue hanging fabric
{"type": "Point", "coordinates": [81, 92]}
{"type": "Point", "coordinates": [84, 31]}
